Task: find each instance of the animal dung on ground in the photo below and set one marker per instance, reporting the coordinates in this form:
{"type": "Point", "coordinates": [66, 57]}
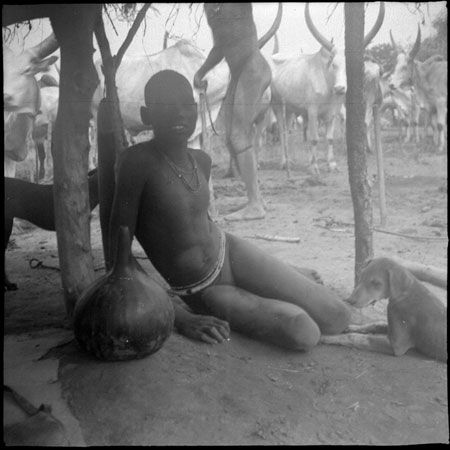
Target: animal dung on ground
{"type": "Point", "coordinates": [125, 314]}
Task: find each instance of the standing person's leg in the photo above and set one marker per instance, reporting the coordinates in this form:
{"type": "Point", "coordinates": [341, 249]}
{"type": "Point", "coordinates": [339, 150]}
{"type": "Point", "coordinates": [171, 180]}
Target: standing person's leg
{"type": "Point", "coordinates": [251, 84]}
{"type": "Point", "coordinates": [258, 272]}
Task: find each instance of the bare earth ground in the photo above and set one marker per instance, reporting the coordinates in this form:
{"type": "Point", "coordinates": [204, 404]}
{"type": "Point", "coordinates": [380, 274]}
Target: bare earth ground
{"type": "Point", "coordinates": [247, 392]}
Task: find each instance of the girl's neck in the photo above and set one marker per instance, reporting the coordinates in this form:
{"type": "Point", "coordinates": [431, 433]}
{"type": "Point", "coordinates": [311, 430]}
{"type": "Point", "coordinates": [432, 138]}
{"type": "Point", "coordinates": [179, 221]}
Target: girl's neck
{"type": "Point", "coordinates": [176, 151]}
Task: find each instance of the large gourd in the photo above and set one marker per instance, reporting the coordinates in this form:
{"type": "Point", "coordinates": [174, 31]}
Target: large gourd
{"type": "Point", "coordinates": [125, 314]}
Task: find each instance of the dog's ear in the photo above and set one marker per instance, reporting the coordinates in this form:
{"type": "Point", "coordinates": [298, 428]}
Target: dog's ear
{"type": "Point", "coordinates": [400, 282]}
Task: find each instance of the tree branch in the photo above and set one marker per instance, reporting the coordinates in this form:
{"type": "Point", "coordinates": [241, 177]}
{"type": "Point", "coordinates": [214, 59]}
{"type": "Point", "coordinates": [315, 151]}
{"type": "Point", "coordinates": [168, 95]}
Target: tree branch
{"type": "Point", "coordinates": [133, 30]}
{"type": "Point", "coordinates": [12, 14]}
{"type": "Point", "coordinates": [103, 44]}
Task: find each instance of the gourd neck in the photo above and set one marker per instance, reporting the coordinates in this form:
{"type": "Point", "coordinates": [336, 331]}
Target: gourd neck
{"type": "Point", "coordinates": [124, 257]}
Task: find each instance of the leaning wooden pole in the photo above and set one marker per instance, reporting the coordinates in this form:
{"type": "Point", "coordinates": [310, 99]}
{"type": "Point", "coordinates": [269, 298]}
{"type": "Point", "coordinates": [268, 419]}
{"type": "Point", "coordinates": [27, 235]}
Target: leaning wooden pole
{"type": "Point", "coordinates": [380, 165]}
{"type": "Point", "coordinates": [111, 133]}
{"type": "Point", "coordinates": [355, 133]}
{"type": "Point", "coordinates": [207, 148]}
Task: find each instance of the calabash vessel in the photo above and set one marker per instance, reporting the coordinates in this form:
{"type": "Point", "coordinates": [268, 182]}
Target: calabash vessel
{"type": "Point", "coordinates": [125, 314]}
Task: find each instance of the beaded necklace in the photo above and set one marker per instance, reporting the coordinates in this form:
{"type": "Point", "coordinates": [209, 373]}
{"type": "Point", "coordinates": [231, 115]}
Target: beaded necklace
{"type": "Point", "coordinates": [179, 172]}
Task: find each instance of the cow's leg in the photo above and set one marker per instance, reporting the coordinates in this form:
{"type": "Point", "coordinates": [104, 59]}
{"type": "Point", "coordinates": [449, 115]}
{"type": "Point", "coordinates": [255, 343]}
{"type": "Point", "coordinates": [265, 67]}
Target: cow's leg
{"type": "Point", "coordinates": [441, 118]}
{"type": "Point", "coordinates": [48, 178]}
{"type": "Point", "coordinates": [313, 131]}
{"type": "Point", "coordinates": [332, 164]}
{"type": "Point", "coordinates": [40, 149]}
{"type": "Point", "coordinates": [415, 118]}
{"type": "Point", "coordinates": [93, 148]}
{"type": "Point", "coordinates": [9, 167]}
{"type": "Point", "coordinates": [368, 120]}
{"type": "Point", "coordinates": [281, 123]}
{"type": "Point", "coordinates": [259, 127]}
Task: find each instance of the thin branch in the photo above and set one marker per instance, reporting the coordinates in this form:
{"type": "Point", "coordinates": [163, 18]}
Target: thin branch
{"type": "Point", "coordinates": [103, 44]}
{"type": "Point", "coordinates": [112, 23]}
{"type": "Point", "coordinates": [133, 30]}
{"type": "Point", "coordinates": [332, 12]}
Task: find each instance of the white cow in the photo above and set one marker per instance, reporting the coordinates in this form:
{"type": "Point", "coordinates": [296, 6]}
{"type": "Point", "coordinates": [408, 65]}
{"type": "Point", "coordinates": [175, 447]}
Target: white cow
{"type": "Point", "coordinates": [428, 80]}
{"type": "Point", "coordinates": [313, 86]}
{"type": "Point", "coordinates": [21, 97]}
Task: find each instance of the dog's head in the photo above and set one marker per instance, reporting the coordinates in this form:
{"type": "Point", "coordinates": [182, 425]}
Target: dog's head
{"type": "Point", "coordinates": [381, 278]}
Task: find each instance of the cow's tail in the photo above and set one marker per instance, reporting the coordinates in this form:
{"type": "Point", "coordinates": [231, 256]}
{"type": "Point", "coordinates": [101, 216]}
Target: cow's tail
{"type": "Point", "coordinates": [273, 29]}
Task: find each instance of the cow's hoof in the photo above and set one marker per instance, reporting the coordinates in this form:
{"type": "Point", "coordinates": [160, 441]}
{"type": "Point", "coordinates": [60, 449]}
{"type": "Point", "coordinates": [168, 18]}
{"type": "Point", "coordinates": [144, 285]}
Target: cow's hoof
{"type": "Point", "coordinates": [313, 170]}
{"type": "Point", "coordinates": [333, 167]}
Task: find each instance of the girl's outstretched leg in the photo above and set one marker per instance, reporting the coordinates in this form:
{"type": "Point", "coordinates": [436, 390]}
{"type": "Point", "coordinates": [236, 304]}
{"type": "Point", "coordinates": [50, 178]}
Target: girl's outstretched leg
{"type": "Point", "coordinates": [274, 321]}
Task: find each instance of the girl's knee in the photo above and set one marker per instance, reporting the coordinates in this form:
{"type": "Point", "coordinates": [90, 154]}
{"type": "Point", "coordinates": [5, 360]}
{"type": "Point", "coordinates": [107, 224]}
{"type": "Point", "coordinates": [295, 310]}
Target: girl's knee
{"type": "Point", "coordinates": [337, 320]}
{"type": "Point", "coordinates": [302, 332]}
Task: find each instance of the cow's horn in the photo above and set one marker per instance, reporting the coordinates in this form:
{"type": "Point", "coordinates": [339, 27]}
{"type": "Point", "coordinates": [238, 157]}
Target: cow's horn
{"type": "Point", "coordinates": [315, 32]}
{"type": "Point", "coordinates": [371, 34]}
{"type": "Point", "coordinates": [273, 29]}
{"type": "Point", "coordinates": [46, 47]}
{"type": "Point", "coordinates": [415, 49]}
{"type": "Point", "coordinates": [394, 45]}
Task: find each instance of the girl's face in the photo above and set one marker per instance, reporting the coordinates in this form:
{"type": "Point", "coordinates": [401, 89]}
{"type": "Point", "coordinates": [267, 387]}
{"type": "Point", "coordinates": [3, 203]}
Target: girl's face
{"type": "Point", "coordinates": [173, 112]}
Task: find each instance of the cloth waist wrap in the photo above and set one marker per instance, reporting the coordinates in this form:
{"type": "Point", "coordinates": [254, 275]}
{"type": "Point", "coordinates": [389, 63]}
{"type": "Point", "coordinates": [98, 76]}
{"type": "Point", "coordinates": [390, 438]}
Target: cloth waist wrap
{"type": "Point", "coordinates": [208, 279]}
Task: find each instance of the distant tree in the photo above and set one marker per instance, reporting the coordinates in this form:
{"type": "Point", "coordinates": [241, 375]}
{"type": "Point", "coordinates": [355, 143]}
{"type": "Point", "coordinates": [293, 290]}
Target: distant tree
{"type": "Point", "coordinates": [436, 44]}
{"type": "Point", "coordinates": [384, 55]}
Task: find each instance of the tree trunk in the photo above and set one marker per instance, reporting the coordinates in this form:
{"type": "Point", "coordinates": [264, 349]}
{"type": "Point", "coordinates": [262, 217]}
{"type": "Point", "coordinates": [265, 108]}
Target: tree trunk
{"type": "Point", "coordinates": [355, 130]}
{"type": "Point", "coordinates": [73, 27]}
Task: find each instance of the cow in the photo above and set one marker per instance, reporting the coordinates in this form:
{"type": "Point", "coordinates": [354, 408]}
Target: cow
{"type": "Point", "coordinates": [404, 104]}
{"type": "Point", "coordinates": [21, 97]}
{"type": "Point", "coordinates": [313, 85]}
{"type": "Point", "coordinates": [428, 80]}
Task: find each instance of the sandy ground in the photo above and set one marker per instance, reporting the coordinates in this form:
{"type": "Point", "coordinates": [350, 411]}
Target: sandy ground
{"type": "Point", "coordinates": [243, 391]}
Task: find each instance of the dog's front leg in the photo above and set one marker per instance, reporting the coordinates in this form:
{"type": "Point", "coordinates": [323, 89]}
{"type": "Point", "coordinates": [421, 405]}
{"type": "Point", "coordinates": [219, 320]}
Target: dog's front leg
{"type": "Point", "coordinates": [374, 343]}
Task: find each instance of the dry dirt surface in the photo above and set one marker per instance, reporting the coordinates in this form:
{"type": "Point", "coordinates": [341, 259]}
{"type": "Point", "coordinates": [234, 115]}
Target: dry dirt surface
{"type": "Point", "coordinates": [243, 391]}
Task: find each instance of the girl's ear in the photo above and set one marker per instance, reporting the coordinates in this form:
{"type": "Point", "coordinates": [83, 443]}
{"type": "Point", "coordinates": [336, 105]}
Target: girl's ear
{"type": "Point", "coordinates": [146, 116]}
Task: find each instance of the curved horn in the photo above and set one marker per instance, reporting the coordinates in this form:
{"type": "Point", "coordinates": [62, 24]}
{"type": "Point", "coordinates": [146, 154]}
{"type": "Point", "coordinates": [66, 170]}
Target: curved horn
{"type": "Point", "coordinates": [371, 34]}
{"type": "Point", "coordinates": [322, 41]}
{"type": "Point", "coordinates": [394, 45]}
{"type": "Point", "coordinates": [46, 47]}
{"type": "Point", "coordinates": [273, 29]}
{"type": "Point", "coordinates": [415, 49]}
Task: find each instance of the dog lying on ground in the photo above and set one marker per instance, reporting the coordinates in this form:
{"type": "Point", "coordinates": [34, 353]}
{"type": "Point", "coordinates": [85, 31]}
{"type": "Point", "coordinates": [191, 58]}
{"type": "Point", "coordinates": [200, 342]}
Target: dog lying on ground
{"type": "Point", "coordinates": [34, 202]}
{"type": "Point", "coordinates": [416, 318]}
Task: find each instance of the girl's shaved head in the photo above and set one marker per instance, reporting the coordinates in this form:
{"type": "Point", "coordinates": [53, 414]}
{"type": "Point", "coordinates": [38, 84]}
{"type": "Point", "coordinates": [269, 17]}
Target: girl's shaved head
{"type": "Point", "coordinates": [164, 85]}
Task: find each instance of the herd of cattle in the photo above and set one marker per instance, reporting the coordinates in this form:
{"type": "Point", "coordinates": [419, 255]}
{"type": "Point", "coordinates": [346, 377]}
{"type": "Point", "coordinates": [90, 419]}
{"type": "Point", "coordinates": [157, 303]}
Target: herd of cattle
{"type": "Point", "coordinates": [311, 86]}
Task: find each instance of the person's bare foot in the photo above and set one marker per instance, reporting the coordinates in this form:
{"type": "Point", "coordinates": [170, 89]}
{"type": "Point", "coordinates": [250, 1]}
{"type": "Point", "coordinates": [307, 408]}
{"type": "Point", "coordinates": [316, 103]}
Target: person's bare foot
{"type": "Point", "coordinates": [248, 212]}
